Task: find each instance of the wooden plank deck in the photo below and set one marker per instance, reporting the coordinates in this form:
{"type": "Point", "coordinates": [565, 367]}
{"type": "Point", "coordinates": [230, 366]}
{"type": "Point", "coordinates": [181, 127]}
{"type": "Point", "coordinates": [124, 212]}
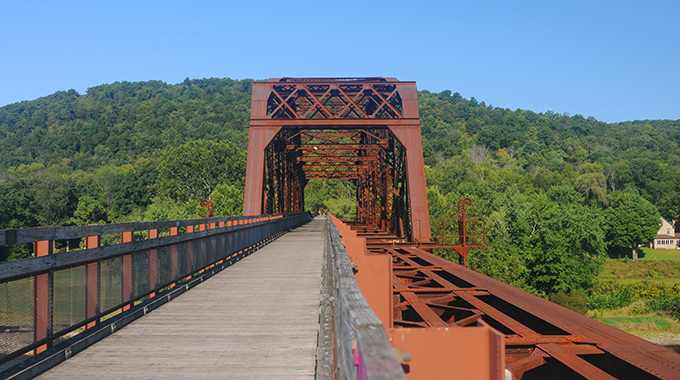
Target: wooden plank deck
{"type": "Point", "coordinates": [255, 320]}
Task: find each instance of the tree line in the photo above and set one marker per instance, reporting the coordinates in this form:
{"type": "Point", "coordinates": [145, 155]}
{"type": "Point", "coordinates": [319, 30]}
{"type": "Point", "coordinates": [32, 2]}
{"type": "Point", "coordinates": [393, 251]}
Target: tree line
{"type": "Point", "coordinates": [559, 192]}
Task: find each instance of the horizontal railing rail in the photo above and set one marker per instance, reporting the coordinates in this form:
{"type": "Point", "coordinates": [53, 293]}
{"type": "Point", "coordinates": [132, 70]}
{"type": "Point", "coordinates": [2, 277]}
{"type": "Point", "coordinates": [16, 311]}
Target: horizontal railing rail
{"type": "Point", "coordinates": [44, 298]}
{"type": "Point", "coordinates": [31, 235]}
{"type": "Point", "coordinates": [455, 232]}
{"type": "Point", "coordinates": [36, 265]}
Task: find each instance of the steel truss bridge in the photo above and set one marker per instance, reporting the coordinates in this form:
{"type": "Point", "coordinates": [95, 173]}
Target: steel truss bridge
{"type": "Point", "coordinates": [388, 308]}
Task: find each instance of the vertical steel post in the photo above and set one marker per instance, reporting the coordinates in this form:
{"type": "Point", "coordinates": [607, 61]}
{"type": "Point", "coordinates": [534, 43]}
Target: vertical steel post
{"type": "Point", "coordinates": [126, 237]}
{"type": "Point", "coordinates": [42, 313]}
{"type": "Point", "coordinates": [153, 265]}
{"type": "Point", "coordinates": [173, 257]}
{"type": "Point", "coordinates": [190, 253]}
{"type": "Point", "coordinates": [201, 249]}
{"type": "Point", "coordinates": [259, 138]}
{"type": "Point", "coordinates": [92, 283]}
{"type": "Point", "coordinates": [410, 138]}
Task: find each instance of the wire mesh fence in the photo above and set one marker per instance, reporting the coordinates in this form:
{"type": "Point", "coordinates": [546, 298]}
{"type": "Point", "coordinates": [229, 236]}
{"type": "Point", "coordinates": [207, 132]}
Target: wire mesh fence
{"type": "Point", "coordinates": [16, 314]}
{"type": "Point", "coordinates": [69, 298]}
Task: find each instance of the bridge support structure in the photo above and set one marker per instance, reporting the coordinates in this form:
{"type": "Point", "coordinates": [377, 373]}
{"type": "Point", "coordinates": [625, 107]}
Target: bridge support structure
{"type": "Point", "coordinates": [365, 130]}
{"type": "Point", "coordinates": [442, 318]}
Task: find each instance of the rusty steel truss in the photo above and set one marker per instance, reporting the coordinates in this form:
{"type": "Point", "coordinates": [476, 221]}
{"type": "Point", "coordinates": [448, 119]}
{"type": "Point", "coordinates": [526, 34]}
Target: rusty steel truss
{"type": "Point", "coordinates": [542, 340]}
{"type": "Point", "coordinates": [365, 130]}
{"type": "Point", "coordinates": [449, 321]}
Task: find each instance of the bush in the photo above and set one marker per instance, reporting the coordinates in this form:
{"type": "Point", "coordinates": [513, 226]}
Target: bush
{"type": "Point", "coordinates": [575, 300]}
{"type": "Point", "coordinates": [644, 296]}
{"type": "Point", "coordinates": [639, 307]}
{"type": "Point", "coordinates": [668, 300]}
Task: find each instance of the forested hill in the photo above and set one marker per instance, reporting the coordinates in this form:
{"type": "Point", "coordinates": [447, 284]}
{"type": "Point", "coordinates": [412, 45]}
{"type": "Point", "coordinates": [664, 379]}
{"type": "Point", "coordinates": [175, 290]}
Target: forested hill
{"type": "Point", "coordinates": [558, 191]}
{"type": "Point", "coordinates": [117, 123]}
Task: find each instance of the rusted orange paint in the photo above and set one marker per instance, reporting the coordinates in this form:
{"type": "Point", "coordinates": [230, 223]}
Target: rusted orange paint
{"type": "Point", "coordinates": [258, 140]}
{"type": "Point", "coordinates": [437, 352]}
{"type": "Point", "coordinates": [457, 353]}
{"type": "Point", "coordinates": [92, 288]}
{"type": "Point", "coordinates": [41, 297]}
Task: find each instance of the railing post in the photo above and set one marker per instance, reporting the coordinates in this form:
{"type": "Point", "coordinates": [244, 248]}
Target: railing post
{"type": "Point", "coordinates": [211, 226]}
{"type": "Point", "coordinates": [201, 250]}
{"type": "Point", "coordinates": [126, 237]}
{"type": "Point", "coordinates": [153, 264]}
{"type": "Point", "coordinates": [173, 257]}
{"type": "Point", "coordinates": [42, 315]}
{"type": "Point", "coordinates": [190, 253]}
{"type": "Point", "coordinates": [92, 283]}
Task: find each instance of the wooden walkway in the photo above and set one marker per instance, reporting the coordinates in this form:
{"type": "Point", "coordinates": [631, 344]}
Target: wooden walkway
{"type": "Point", "coordinates": [257, 319]}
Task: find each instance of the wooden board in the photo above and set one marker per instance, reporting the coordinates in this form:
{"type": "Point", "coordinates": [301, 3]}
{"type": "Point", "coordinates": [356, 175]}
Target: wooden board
{"type": "Point", "coordinates": [256, 320]}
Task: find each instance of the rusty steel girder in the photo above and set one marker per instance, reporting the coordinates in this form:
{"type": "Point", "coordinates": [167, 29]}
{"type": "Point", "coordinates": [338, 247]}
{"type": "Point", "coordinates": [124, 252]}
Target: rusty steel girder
{"type": "Point", "coordinates": [365, 130]}
{"type": "Point", "coordinates": [542, 340]}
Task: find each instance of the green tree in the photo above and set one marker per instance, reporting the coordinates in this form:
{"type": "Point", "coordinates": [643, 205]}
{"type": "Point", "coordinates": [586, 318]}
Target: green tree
{"type": "Point", "coordinates": [227, 200]}
{"type": "Point", "coordinates": [55, 200]}
{"type": "Point", "coordinates": [191, 172]}
{"type": "Point", "coordinates": [337, 196]}
{"type": "Point", "coordinates": [17, 205]}
{"type": "Point", "coordinates": [630, 221]}
{"type": "Point", "coordinates": [164, 208]}
{"type": "Point", "coordinates": [567, 252]}
{"type": "Point", "coordinates": [593, 186]}
{"type": "Point", "coordinates": [89, 210]}
{"type": "Point", "coordinates": [500, 263]}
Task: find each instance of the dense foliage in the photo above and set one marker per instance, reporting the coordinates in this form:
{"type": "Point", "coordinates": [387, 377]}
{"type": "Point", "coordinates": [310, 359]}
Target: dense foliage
{"type": "Point", "coordinates": [550, 185]}
{"type": "Point", "coordinates": [644, 296]}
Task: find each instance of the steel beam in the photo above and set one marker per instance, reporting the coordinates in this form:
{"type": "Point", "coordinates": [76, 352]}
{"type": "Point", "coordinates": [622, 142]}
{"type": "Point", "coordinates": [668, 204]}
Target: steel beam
{"type": "Point", "coordinates": [541, 339]}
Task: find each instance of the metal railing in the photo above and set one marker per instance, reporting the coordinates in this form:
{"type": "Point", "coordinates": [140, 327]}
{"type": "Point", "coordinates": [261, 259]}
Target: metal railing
{"type": "Point", "coordinates": [44, 298]}
{"type": "Point", "coordinates": [451, 232]}
{"type": "Point", "coordinates": [362, 348]}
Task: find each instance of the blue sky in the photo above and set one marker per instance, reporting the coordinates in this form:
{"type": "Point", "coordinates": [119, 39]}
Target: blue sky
{"type": "Point", "coordinates": [613, 60]}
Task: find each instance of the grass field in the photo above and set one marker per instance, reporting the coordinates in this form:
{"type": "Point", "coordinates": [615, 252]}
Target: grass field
{"type": "Point", "coordinates": [647, 323]}
{"type": "Point", "coordinates": [648, 254]}
{"type": "Point", "coordinates": [657, 266]}
{"type": "Point", "coordinates": [625, 318]}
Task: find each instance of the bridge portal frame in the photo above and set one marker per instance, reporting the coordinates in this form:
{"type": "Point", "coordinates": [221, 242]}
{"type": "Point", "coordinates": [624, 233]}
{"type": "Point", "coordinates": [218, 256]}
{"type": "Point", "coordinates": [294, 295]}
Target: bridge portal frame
{"type": "Point", "coordinates": [338, 104]}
